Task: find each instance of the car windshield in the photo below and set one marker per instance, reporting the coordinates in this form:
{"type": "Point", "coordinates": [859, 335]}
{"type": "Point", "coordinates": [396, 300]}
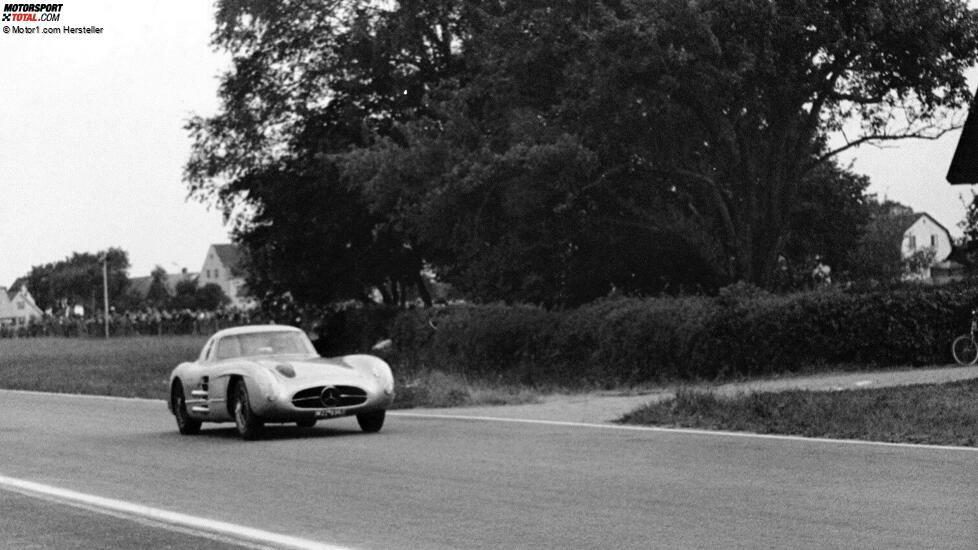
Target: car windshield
{"type": "Point", "coordinates": [262, 343]}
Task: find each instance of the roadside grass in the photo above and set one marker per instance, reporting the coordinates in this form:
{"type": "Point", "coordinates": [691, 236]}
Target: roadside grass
{"type": "Point", "coordinates": [136, 366]}
{"type": "Point", "coordinates": [434, 388]}
{"type": "Point", "coordinates": [140, 367]}
{"type": "Point", "coordinates": [938, 414]}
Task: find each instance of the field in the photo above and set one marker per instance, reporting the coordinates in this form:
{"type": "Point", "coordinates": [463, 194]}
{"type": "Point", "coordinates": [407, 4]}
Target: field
{"type": "Point", "coordinates": [140, 367]}
{"type": "Point", "coordinates": [940, 414]}
{"type": "Point", "coordinates": [125, 367]}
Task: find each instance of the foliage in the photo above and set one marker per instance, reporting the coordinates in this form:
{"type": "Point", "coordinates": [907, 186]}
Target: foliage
{"type": "Point", "coordinates": [158, 296]}
{"type": "Point", "coordinates": [555, 152]}
{"type": "Point", "coordinates": [78, 280]}
{"type": "Point", "coordinates": [969, 225]}
{"type": "Point", "coordinates": [700, 143]}
{"type": "Point", "coordinates": [210, 297]}
{"type": "Point", "coordinates": [829, 217]}
{"type": "Point", "coordinates": [743, 332]}
{"type": "Point", "coordinates": [879, 254]}
{"type": "Point", "coordinates": [188, 295]}
{"type": "Point", "coordinates": [915, 264]}
{"type": "Point", "coordinates": [310, 80]}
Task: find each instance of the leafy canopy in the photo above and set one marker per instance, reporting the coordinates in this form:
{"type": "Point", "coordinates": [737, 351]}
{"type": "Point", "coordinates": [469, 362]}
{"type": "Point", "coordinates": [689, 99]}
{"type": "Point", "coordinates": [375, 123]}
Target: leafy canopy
{"type": "Point", "coordinates": [552, 151]}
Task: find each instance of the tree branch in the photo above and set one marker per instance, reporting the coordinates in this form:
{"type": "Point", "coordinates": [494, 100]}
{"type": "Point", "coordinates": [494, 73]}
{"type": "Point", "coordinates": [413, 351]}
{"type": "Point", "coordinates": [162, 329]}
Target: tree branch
{"type": "Point", "coordinates": [918, 134]}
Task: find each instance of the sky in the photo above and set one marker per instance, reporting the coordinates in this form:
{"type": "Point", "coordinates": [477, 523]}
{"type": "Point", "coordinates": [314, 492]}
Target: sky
{"type": "Point", "coordinates": [92, 140]}
{"type": "Point", "coordinates": [92, 145]}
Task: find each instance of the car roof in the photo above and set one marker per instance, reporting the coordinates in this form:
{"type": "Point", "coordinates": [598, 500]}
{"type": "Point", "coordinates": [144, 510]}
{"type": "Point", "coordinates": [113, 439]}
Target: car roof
{"type": "Point", "coordinates": [252, 329]}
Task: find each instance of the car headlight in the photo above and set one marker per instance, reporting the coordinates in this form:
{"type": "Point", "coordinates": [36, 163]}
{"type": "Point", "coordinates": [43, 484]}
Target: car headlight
{"type": "Point", "coordinates": [285, 370]}
{"type": "Point", "coordinates": [385, 378]}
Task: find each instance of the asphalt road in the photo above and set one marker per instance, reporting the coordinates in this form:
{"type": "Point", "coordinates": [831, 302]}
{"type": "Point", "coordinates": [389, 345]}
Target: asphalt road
{"type": "Point", "coordinates": [453, 483]}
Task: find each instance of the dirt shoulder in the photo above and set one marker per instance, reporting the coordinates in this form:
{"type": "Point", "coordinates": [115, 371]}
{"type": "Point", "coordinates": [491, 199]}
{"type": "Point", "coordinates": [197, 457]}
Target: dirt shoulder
{"type": "Point", "coordinates": [598, 407]}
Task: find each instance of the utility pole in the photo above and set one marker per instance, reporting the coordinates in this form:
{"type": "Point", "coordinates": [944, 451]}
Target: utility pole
{"type": "Point", "coordinates": [105, 293]}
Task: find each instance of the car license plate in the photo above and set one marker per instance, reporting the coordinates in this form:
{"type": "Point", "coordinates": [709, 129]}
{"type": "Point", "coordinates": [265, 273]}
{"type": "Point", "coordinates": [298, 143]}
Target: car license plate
{"type": "Point", "coordinates": [329, 413]}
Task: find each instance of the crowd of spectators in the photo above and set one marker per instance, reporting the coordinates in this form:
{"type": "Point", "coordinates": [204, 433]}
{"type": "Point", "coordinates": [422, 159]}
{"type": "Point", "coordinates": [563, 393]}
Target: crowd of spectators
{"type": "Point", "coordinates": [148, 321]}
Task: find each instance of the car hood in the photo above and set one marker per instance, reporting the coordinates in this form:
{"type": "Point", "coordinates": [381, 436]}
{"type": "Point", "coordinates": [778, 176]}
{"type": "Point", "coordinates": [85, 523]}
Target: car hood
{"type": "Point", "coordinates": [312, 370]}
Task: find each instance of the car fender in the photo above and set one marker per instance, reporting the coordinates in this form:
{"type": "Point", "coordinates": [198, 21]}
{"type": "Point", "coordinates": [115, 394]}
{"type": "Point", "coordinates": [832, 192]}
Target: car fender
{"type": "Point", "coordinates": [183, 373]}
{"type": "Point", "coordinates": [372, 368]}
{"type": "Point", "coordinates": [260, 382]}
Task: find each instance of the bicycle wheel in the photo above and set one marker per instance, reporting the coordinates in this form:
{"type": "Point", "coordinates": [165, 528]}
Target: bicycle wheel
{"type": "Point", "coordinates": [965, 350]}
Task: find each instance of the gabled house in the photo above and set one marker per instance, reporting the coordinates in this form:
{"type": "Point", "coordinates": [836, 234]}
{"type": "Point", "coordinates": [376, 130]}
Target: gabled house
{"type": "Point", "coordinates": [925, 242]}
{"type": "Point", "coordinates": [17, 306]}
{"type": "Point", "coordinates": [222, 267]}
{"type": "Point", "coordinates": [899, 243]}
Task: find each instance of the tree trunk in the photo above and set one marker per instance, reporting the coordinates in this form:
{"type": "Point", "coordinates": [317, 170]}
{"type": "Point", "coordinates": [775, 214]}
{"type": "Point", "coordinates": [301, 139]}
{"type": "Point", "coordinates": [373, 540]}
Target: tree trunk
{"type": "Point", "coordinates": [422, 289]}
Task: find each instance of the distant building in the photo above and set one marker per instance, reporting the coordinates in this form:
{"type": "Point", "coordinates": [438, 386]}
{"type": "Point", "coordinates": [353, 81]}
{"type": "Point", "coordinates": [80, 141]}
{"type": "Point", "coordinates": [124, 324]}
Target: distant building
{"type": "Point", "coordinates": [140, 285]}
{"type": "Point", "coordinates": [17, 306]}
{"type": "Point", "coordinates": [924, 234]}
{"type": "Point", "coordinates": [222, 267]}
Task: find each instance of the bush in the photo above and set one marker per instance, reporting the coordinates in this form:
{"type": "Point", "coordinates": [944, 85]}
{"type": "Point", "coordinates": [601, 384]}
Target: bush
{"type": "Point", "coordinates": [627, 341]}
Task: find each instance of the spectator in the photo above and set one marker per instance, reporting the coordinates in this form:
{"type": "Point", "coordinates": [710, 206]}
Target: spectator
{"type": "Point", "coordinates": [822, 273]}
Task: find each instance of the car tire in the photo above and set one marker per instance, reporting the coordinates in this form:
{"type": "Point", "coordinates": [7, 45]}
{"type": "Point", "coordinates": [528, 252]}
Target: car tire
{"type": "Point", "coordinates": [185, 424]}
{"type": "Point", "coordinates": [249, 426]}
{"type": "Point", "coordinates": [306, 423]}
{"type": "Point", "coordinates": [371, 422]}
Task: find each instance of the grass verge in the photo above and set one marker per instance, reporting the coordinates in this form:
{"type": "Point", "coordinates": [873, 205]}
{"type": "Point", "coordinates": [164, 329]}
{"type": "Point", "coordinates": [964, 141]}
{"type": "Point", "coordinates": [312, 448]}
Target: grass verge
{"type": "Point", "coordinates": [125, 367]}
{"type": "Point", "coordinates": [938, 414]}
{"type": "Point", "coordinates": [140, 367]}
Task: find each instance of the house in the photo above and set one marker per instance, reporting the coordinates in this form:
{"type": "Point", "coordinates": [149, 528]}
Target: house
{"type": "Point", "coordinates": [222, 267]}
{"type": "Point", "coordinates": [17, 306]}
{"type": "Point", "coordinates": [925, 242]}
{"type": "Point", "coordinates": [140, 285]}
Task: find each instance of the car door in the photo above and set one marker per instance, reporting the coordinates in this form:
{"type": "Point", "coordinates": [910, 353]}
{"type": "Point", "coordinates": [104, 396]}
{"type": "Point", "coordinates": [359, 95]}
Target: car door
{"type": "Point", "coordinates": [222, 361]}
{"type": "Point", "coordinates": [198, 387]}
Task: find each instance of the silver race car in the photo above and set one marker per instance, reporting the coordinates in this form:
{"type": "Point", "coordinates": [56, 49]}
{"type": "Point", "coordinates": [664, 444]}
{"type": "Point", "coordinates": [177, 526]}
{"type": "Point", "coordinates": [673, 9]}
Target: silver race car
{"type": "Point", "coordinates": [271, 373]}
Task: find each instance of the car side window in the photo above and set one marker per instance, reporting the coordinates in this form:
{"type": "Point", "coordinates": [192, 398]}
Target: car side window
{"type": "Point", "coordinates": [208, 348]}
{"type": "Point", "coordinates": [227, 348]}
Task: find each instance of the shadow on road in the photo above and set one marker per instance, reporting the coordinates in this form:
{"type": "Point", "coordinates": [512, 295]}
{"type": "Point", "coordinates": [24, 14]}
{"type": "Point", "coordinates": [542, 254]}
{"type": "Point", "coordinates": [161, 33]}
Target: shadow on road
{"type": "Point", "coordinates": [272, 432]}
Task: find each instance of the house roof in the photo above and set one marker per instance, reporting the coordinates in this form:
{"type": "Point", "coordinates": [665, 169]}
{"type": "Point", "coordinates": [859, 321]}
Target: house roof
{"type": "Point", "coordinates": [7, 299]}
{"type": "Point", "coordinates": [914, 218]}
{"type": "Point", "coordinates": [229, 254]}
{"type": "Point", "coordinates": [141, 285]}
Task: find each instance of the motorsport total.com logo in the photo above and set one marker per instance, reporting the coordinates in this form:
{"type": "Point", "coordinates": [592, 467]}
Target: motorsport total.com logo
{"type": "Point", "coordinates": [32, 12]}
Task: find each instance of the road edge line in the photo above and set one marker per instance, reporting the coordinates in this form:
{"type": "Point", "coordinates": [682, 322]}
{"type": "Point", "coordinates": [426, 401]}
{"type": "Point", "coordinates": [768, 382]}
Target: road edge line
{"type": "Point", "coordinates": [687, 431]}
{"type": "Point", "coordinates": [203, 526]}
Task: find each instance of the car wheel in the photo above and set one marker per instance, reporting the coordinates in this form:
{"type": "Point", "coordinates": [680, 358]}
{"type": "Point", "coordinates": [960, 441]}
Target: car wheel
{"type": "Point", "coordinates": [186, 424]}
{"type": "Point", "coordinates": [249, 426]}
{"type": "Point", "coordinates": [371, 422]}
{"type": "Point", "coordinates": [306, 422]}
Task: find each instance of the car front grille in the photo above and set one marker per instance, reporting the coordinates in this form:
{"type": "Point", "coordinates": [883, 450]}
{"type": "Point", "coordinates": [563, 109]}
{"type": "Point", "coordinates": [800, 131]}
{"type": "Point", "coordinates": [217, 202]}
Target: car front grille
{"type": "Point", "coordinates": [338, 396]}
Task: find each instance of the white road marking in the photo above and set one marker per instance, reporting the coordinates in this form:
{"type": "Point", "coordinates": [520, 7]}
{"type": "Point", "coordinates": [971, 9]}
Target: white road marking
{"type": "Point", "coordinates": [689, 431]}
{"type": "Point", "coordinates": [207, 528]}
{"type": "Point", "coordinates": [86, 396]}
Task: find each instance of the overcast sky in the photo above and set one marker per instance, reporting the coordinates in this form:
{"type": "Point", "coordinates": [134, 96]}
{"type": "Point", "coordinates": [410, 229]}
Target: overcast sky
{"type": "Point", "coordinates": [92, 144]}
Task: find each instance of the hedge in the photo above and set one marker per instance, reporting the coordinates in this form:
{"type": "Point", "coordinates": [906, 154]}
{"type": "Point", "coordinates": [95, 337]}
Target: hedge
{"type": "Point", "coordinates": [627, 341]}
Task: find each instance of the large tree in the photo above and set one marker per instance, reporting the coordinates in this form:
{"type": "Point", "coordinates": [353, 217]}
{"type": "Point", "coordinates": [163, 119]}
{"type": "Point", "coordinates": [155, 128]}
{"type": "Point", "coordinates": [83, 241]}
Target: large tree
{"type": "Point", "coordinates": [549, 151]}
{"type": "Point", "coordinates": [77, 280]}
{"type": "Point", "coordinates": [311, 80]}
